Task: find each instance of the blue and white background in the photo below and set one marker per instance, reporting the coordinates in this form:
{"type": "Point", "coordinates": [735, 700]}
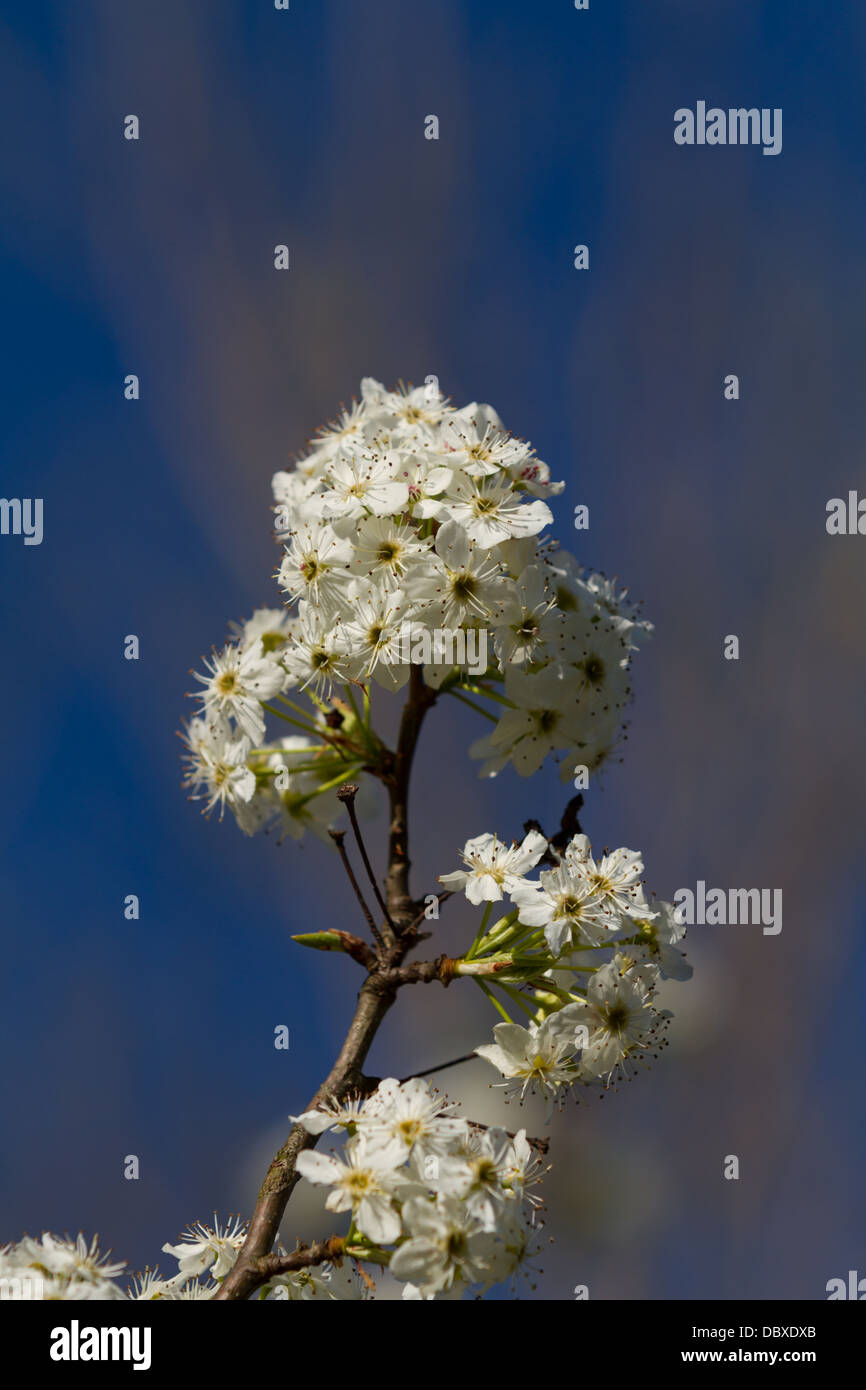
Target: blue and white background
{"type": "Point", "coordinates": [412, 257]}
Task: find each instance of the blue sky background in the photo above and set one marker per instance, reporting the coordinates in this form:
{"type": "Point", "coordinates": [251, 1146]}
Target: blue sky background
{"type": "Point", "coordinates": [453, 257]}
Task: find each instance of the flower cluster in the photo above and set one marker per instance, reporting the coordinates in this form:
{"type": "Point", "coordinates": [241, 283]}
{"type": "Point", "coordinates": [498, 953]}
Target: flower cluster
{"type": "Point", "coordinates": [52, 1268]}
{"type": "Point", "coordinates": [412, 536]}
{"type": "Point", "coordinates": [56, 1268]}
{"type": "Point", "coordinates": [446, 1205]}
{"type": "Point", "coordinates": [581, 954]}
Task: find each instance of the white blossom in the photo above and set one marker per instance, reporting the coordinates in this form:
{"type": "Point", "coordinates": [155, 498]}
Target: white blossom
{"type": "Point", "coordinates": [493, 868]}
{"type": "Point", "coordinates": [363, 1184]}
{"type": "Point", "coordinates": [207, 1248]}
{"type": "Point", "coordinates": [236, 684]}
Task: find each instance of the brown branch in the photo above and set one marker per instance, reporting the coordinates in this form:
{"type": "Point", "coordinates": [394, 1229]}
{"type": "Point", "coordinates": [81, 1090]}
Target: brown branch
{"type": "Point", "coordinates": [421, 697]}
{"type": "Point", "coordinates": [376, 996]}
{"type": "Point", "coordinates": [374, 1000]}
{"type": "Point", "coordinates": [323, 1252]}
{"type": "Point", "coordinates": [424, 972]}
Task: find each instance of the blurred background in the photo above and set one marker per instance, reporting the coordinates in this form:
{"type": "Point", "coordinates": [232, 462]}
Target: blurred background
{"type": "Point", "coordinates": [411, 257]}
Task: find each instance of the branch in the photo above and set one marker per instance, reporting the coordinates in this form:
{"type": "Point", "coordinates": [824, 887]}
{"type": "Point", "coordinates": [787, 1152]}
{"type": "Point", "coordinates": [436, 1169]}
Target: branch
{"type": "Point", "coordinates": [443, 1066]}
{"type": "Point", "coordinates": [420, 698]}
{"type": "Point", "coordinates": [425, 972]}
{"type": "Point", "coordinates": [323, 1252]}
{"type": "Point", "coordinates": [374, 1000]}
{"type": "Point", "coordinates": [338, 836]}
{"type": "Point", "coordinates": [347, 794]}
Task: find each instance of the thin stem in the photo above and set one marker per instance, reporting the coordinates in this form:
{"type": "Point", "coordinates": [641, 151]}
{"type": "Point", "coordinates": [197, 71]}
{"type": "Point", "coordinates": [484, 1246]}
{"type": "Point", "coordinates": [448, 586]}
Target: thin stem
{"type": "Point", "coordinates": [515, 939]}
{"type": "Point", "coordinates": [517, 997]}
{"type": "Point", "coordinates": [464, 700]}
{"type": "Point", "coordinates": [307, 728]}
{"type": "Point", "coordinates": [443, 1066]}
{"type": "Point", "coordinates": [313, 729]}
{"type": "Point", "coordinates": [347, 795]}
{"type": "Point", "coordinates": [299, 709]}
{"type": "Point", "coordinates": [501, 931]}
{"type": "Point", "coordinates": [350, 696]}
{"type": "Point", "coordinates": [490, 694]}
{"type": "Point", "coordinates": [480, 932]}
{"type": "Point", "coordinates": [338, 836]}
{"type": "Point", "coordinates": [492, 997]}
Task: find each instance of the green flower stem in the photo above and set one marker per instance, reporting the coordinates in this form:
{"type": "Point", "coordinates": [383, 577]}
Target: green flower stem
{"type": "Point", "coordinates": [299, 709]}
{"type": "Point", "coordinates": [549, 987]}
{"type": "Point", "coordinates": [503, 923]}
{"type": "Point", "coordinates": [321, 734]}
{"type": "Point", "coordinates": [307, 728]}
{"type": "Point", "coordinates": [490, 694]}
{"type": "Point", "coordinates": [517, 998]}
{"type": "Point", "coordinates": [492, 997]}
{"type": "Point", "coordinates": [481, 930]}
{"type": "Point", "coordinates": [500, 933]}
{"type": "Point", "coordinates": [472, 705]}
{"type": "Point", "coordinates": [520, 937]}
{"type": "Point", "coordinates": [328, 786]}
{"type": "Point", "coordinates": [350, 700]}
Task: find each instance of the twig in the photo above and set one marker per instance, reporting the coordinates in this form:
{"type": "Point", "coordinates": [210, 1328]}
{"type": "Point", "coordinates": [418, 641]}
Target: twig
{"type": "Point", "coordinates": [422, 915]}
{"type": "Point", "coordinates": [443, 1066]}
{"type": "Point", "coordinates": [323, 1252]}
{"type": "Point", "coordinates": [338, 836]}
{"type": "Point", "coordinates": [347, 794]}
